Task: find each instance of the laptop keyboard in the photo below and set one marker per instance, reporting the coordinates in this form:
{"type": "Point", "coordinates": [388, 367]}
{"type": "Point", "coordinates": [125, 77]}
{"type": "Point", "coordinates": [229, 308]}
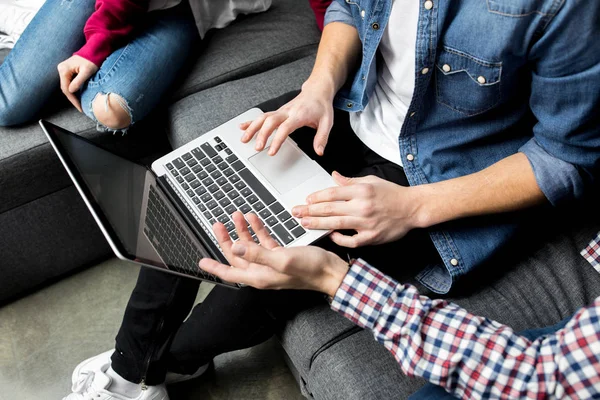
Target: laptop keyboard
{"type": "Point", "coordinates": [219, 184]}
{"type": "Point", "coordinates": [177, 250]}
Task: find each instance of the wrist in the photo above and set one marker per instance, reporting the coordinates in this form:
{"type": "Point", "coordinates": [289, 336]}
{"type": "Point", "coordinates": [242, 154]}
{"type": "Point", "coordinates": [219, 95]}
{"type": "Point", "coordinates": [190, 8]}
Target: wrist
{"type": "Point", "coordinates": [320, 87]}
{"type": "Point", "coordinates": [422, 215]}
{"type": "Point", "coordinates": [335, 273]}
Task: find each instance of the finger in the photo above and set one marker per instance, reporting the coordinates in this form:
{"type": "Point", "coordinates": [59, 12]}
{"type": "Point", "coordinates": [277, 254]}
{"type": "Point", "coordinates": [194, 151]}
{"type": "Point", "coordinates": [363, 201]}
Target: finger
{"type": "Point", "coordinates": [225, 272]}
{"type": "Point", "coordinates": [245, 125]}
{"type": "Point", "coordinates": [322, 134]}
{"type": "Point", "coordinates": [261, 232]}
{"type": "Point", "coordinates": [79, 80]}
{"type": "Point", "coordinates": [339, 193]}
{"type": "Point", "coordinates": [65, 81]}
{"type": "Point", "coordinates": [271, 123]}
{"type": "Point", "coordinates": [332, 223]}
{"type": "Point", "coordinates": [353, 241]}
{"type": "Point", "coordinates": [253, 128]}
{"type": "Point", "coordinates": [285, 130]}
{"type": "Point", "coordinates": [345, 181]}
{"type": "Point", "coordinates": [222, 236]}
{"type": "Point", "coordinates": [329, 209]}
{"type": "Point", "coordinates": [241, 226]}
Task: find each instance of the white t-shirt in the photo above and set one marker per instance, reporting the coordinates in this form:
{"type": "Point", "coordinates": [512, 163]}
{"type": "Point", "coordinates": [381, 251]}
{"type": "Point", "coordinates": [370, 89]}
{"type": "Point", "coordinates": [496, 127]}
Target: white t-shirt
{"type": "Point", "coordinates": [378, 125]}
{"type": "Point", "coordinates": [215, 13]}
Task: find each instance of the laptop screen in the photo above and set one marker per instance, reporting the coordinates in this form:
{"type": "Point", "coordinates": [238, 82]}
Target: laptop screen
{"type": "Point", "coordinates": [134, 211]}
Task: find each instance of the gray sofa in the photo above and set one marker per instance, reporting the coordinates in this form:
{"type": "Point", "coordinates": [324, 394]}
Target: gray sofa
{"type": "Point", "coordinates": [46, 232]}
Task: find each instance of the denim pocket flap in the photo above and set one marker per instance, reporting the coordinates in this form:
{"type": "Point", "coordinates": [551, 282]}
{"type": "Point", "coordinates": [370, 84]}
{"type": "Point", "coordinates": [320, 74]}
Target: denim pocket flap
{"type": "Point", "coordinates": [482, 72]}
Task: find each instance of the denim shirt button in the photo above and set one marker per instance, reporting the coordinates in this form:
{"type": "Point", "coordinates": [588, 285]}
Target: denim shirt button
{"type": "Point", "coordinates": [412, 114]}
{"type": "Point", "coordinates": [349, 105]}
{"type": "Point", "coordinates": [425, 70]}
{"type": "Point", "coordinates": [410, 157]}
{"type": "Point", "coordinates": [375, 26]}
{"type": "Point", "coordinates": [446, 68]}
{"type": "Point", "coordinates": [454, 262]}
{"type": "Point", "coordinates": [481, 80]}
{"type": "Point", "coordinates": [362, 14]}
{"type": "Point", "coordinates": [428, 5]}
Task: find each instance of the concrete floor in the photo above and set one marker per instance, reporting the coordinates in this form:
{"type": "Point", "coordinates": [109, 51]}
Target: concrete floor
{"type": "Point", "coordinates": [45, 335]}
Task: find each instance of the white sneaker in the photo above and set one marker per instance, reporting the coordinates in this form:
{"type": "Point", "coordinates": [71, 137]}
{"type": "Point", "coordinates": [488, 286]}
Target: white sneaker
{"type": "Point", "coordinates": [95, 363]}
{"type": "Point", "coordinates": [97, 383]}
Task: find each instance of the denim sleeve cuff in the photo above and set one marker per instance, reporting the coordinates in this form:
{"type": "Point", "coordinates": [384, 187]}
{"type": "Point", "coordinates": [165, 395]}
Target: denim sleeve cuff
{"type": "Point", "coordinates": [363, 294]}
{"type": "Point", "coordinates": [558, 180]}
{"type": "Point", "coordinates": [337, 12]}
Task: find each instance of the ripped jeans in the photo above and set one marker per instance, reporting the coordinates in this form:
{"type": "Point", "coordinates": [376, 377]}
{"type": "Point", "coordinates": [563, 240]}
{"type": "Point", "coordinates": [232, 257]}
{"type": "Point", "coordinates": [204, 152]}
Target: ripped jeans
{"type": "Point", "coordinates": [140, 72]}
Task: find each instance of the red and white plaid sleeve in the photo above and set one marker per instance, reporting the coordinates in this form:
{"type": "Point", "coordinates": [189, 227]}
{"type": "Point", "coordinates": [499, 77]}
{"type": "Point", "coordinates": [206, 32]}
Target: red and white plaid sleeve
{"type": "Point", "coordinates": [592, 252]}
{"type": "Point", "coordinates": [470, 356]}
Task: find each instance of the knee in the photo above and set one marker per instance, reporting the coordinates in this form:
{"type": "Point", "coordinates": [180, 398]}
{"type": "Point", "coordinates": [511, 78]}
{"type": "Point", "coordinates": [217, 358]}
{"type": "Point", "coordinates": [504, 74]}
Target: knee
{"type": "Point", "coordinates": [10, 116]}
{"type": "Point", "coordinates": [112, 111]}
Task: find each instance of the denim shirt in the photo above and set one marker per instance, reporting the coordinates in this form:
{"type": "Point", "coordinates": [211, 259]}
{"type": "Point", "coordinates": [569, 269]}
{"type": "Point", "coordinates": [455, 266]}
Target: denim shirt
{"type": "Point", "coordinates": [492, 78]}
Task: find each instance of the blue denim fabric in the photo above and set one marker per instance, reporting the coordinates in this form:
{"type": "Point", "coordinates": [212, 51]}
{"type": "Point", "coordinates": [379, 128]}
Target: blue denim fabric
{"type": "Point", "coordinates": [520, 76]}
{"type": "Point", "coordinates": [433, 392]}
{"type": "Point", "coordinates": [140, 72]}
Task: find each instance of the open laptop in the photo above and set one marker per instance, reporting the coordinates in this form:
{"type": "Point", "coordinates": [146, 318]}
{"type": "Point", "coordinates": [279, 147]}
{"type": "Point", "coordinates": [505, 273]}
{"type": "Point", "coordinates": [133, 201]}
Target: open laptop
{"type": "Point", "coordinates": [162, 217]}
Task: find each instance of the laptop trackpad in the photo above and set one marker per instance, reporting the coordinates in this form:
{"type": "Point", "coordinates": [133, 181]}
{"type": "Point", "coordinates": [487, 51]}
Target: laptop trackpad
{"type": "Point", "coordinates": [286, 170]}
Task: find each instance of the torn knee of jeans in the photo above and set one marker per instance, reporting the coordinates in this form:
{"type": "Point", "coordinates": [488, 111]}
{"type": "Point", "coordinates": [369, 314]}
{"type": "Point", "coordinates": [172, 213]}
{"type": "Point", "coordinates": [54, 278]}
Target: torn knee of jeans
{"type": "Point", "coordinates": [111, 113]}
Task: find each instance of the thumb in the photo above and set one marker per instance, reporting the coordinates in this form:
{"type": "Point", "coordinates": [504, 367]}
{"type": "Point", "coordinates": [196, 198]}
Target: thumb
{"type": "Point", "coordinates": [79, 80]}
{"type": "Point", "coordinates": [342, 180]}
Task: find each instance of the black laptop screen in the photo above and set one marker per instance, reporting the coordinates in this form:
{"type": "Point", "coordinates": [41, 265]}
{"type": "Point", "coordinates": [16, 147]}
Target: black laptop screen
{"type": "Point", "coordinates": [132, 209]}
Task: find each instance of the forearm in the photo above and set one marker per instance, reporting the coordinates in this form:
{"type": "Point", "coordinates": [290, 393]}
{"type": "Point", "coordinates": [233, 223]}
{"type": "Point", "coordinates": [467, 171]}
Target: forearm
{"type": "Point", "coordinates": [507, 185]}
{"type": "Point", "coordinates": [470, 356]}
{"type": "Point", "coordinates": [338, 53]}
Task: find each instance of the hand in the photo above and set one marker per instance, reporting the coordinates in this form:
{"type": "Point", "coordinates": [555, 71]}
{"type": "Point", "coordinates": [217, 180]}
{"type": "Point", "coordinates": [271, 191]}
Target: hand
{"type": "Point", "coordinates": [270, 266]}
{"type": "Point", "coordinates": [378, 210]}
{"type": "Point", "coordinates": [312, 107]}
{"type": "Point", "coordinates": [74, 72]}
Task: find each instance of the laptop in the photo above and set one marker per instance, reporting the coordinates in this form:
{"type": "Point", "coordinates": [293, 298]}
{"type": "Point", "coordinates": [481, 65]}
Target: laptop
{"type": "Point", "coordinates": [161, 217]}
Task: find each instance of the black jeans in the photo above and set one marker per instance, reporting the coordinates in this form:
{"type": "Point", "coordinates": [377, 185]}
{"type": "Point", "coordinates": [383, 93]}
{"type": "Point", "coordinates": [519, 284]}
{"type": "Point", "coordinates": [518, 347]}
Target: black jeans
{"type": "Point", "coordinates": [154, 338]}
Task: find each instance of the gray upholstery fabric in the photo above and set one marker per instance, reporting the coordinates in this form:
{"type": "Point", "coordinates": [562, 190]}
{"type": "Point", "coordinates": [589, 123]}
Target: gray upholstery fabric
{"type": "Point", "coordinates": [42, 239]}
{"type": "Point", "coordinates": [203, 111]}
{"type": "Point", "coordinates": [537, 290]}
{"type": "Point", "coordinates": [254, 44]}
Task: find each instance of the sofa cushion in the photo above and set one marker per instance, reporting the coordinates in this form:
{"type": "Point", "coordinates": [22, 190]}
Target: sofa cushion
{"type": "Point", "coordinates": [253, 44]}
{"type": "Point", "coordinates": [203, 111]}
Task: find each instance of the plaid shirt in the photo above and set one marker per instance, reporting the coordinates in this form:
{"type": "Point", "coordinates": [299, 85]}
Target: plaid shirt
{"type": "Point", "coordinates": [473, 357]}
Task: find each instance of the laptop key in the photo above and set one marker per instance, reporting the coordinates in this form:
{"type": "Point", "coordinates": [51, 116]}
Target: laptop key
{"type": "Point", "coordinates": [190, 177]}
{"type": "Point", "coordinates": [258, 206]}
{"type": "Point", "coordinates": [185, 186]}
{"type": "Point", "coordinates": [231, 159]}
{"type": "Point", "coordinates": [196, 200]}
{"type": "Point", "coordinates": [212, 221]}
{"type": "Point", "coordinates": [229, 226]}
{"type": "Point", "coordinates": [217, 159]}
{"type": "Point", "coordinates": [210, 168]}
{"type": "Point", "coordinates": [178, 162]}
{"type": "Point", "coordinates": [291, 224]}
{"type": "Point", "coordinates": [205, 197]}
{"type": "Point", "coordinates": [271, 221]}
{"type": "Point", "coordinates": [239, 201]}
{"type": "Point", "coordinates": [194, 184]}
{"type": "Point", "coordinates": [175, 173]}
{"type": "Point", "coordinates": [216, 174]}
{"type": "Point", "coordinates": [284, 216]}
{"type": "Point", "coordinates": [184, 171]}
{"type": "Point", "coordinates": [205, 161]}
{"type": "Point", "coordinates": [179, 179]}
{"type": "Point", "coordinates": [192, 162]}
{"type": "Point", "coordinates": [186, 156]}
{"type": "Point", "coordinates": [200, 191]}
{"type": "Point", "coordinates": [265, 213]}
{"type": "Point", "coordinates": [298, 231]}
{"type": "Point", "coordinates": [234, 178]}
{"type": "Point", "coordinates": [199, 154]}
{"type": "Point", "coordinates": [213, 188]}
{"type": "Point", "coordinates": [233, 235]}
{"type": "Point", "coordinates": [224, 202]}
{"type": "Point", "coordinates": [258, 187]}
{"type": "Point", "coordinates": [211, 204]}
{"type": "Point", "coordinates": [202, 175]}
{"type": "Point", "coordinates": [227, 172]}
{"type": "Point", "coordinates": [202, 207]}
{"type": "Point", "coordinates": [217, 211]}
{"type": "Point", "coordinates": [190, 193]}
{"type": "Point", "coordinates": [218, 139]}
{"type": "Point", "coordinates": [218, 147]}
{"type": "Point", "coordinates": [252, 198]}
{"type": "Point", "coordinates": [230, 209]}
{"type": "Point", "coordinates": [233, 194]}
{"type": "Point", "coordinates": [223, 218]}
{"type": "Point", "coordinates": [221, 181]}
{"type": "Point", "coordinates": [246, 192]}
{"type": "Point", "coordinates": [208, 149]}
{"type": "Point", "coordinates": [240, 185]}
{"type": "Point", "coordinates": [227, 187]}
{"type": "Point", "coordinates": [284, 235]}
{"type": "Point", "coordinates": [245, 208]}
{"type": "Point", "coordinates": [207, 182]}
{"type": "Point", "coordinates": [197, 168]}
{"type": "Point", "coordinates": [228, 151]}
{"type": "Point", "coordinates": [238, 166]}
{"type": "Point", "coordinates": [276, 208]}
{"type": "Point", "coordinates": [222, 166]}
{"type": "Point", "coordinates": [207, 215]}
{"type": "Point", "coordinates": [219, 195]}
{"type": "Point", "coordinates": [170, 166]}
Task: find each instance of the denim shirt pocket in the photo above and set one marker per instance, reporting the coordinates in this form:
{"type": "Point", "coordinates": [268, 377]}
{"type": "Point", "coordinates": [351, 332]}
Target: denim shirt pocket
{"type": "Point", "coordinates": [465, 83]}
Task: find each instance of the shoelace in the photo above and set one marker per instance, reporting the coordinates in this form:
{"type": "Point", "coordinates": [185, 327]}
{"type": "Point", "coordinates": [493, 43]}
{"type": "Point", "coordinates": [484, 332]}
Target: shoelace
{"type": "Point", "coordinates": [81, 387]}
